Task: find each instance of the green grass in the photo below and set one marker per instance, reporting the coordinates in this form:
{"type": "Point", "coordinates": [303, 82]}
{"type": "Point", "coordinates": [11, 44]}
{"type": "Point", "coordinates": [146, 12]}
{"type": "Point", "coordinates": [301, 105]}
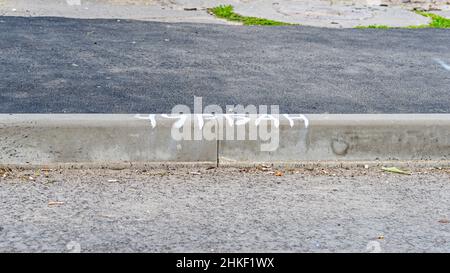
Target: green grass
{"type": "Point", "coordinates": [374, 26]}
{"type": "Point", "coordinates": [227, 12]}
{"type": "Point", "coordinates": [436, 22]}
{"type": "Point", "coordinates": [418, 26]}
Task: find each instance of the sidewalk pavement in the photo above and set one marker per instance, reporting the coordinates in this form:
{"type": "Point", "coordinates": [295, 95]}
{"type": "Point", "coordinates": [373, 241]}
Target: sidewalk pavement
{"type": "Point", "coordinates": [320, 13]}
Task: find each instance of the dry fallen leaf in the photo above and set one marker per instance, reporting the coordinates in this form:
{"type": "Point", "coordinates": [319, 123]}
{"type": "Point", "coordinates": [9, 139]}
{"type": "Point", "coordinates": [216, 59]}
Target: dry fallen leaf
{"type": "Point", "coordinates": [263, 168]}
{"type": "Point", "coordinates": [5, 172]}
{"type": "Point", "coordinates": [394, 170]}
{"type": "Point", "coordinates": [278, 173]}
{"type": "Point", "coordinates": [54, 203]}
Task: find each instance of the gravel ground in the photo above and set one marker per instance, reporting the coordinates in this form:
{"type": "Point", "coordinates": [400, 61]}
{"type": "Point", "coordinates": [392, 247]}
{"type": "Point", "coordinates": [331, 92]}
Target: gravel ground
{"type": "Point", "coordinates": [224, 210]}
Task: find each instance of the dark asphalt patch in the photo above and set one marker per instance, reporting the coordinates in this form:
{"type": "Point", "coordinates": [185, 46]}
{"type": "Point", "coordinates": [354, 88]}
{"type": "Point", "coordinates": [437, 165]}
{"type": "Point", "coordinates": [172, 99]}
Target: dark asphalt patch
{"type": "Point", "coordinates": [59, 65]}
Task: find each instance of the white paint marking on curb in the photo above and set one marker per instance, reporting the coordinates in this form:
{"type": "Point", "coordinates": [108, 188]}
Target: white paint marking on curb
{"type": "Point", "coordinates": [104, 139]}
{"type": "Point", "coordinates": [233, 119]}
{"type": "Point", "coordinates": [443, 64]}
{"type": "Point", "coordinates": [300, 117]}
{"type": "Point", "coordinates": [150, 117]}
{"type": "Point", "coordinates": [267, 117]}
{"type": "Point", "coordinates": [181, 119]}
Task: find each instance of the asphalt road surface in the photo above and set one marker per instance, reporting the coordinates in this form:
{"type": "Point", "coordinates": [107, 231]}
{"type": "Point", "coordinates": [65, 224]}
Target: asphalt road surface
{"type": "Point", "coordinates": [57, 65]}
{"type": "Point", "coordinates": [225, 210]}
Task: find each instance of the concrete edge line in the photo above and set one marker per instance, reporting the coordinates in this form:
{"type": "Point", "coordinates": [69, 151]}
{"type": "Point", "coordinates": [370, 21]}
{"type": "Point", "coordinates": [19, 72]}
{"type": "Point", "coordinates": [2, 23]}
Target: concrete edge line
{"type": "Point", "coordinates": [146, 140]}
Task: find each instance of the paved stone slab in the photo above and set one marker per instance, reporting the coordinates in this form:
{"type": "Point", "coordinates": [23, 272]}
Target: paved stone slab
{"type": "Point", "coordinates": [321, 13]}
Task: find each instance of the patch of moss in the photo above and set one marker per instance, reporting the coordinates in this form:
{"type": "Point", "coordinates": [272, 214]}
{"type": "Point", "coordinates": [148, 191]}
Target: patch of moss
{"type": "Point", "coordinates": [227, 12]}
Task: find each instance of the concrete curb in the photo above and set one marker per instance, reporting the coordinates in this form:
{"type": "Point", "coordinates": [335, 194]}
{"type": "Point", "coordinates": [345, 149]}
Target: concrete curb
{"type": "Point", "coordinates": [128, 140]}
